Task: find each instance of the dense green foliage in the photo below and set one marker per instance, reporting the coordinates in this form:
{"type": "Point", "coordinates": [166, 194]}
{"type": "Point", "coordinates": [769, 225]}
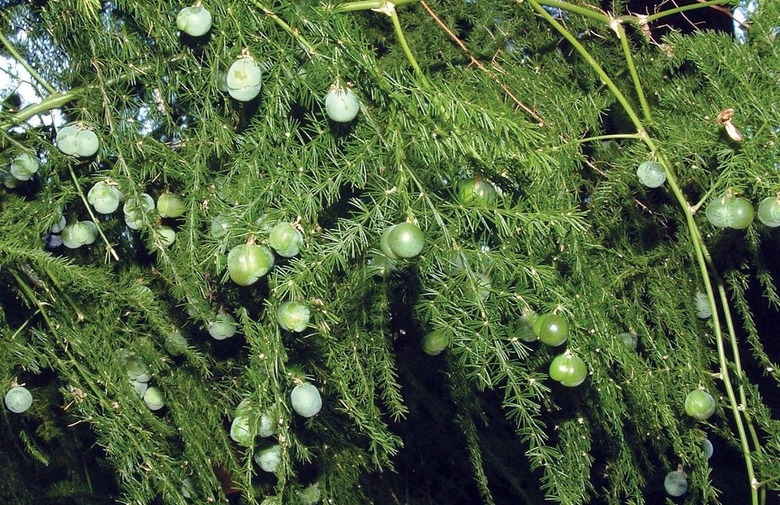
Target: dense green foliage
{"type": "Point", "coordinates": [496, 148]}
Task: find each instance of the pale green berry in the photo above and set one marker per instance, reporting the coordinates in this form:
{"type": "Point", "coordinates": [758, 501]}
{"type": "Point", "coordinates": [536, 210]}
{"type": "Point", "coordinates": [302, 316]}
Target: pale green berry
{"type": "Point", "coordinates": [154, 398]}
{"type": "Point", "coordinates": [220, 226]}
{"type": "Point", "coordinates": [66, 139]}
{"type": "Point", "coordinates": [171, 205]}
{"type": "Point", "coordinates": [87, 143]}
{"type": "Point", "coordinates": [223, 326]}
{"type": "Point", "coordinates": [240, 432]}
{"type": "Point", "coordinates": [104, 197]}
{"type": "Point", "coordinates": [651, 174]}
{"type": "Point", "coordinates": [166, 235]}
{"type": "Point", "coordinates": [24, 166]}
{"type": "Point", "coordinates": [176, 343]}
{"type": "Point", "coordinates": [306, 399]}
{"type": "Point", "coordinates": [269, 458]}
{"type": "Point", "coordinates": [285, 239]}
{"type": "Point", "coordinates": [78, 234]}
{"type": "Point", "coordinates": [18, 399]}
{"type": "Point", "coordinates": [268, 423]}
{"type": "Point", "coordinates": [293, 316]}
{"type": "Point", "coordinates": [244, 79]}
{"type": "Point", "coordinates": [194, 21]}
{"type": "Point", "coordinates": [341, 105]}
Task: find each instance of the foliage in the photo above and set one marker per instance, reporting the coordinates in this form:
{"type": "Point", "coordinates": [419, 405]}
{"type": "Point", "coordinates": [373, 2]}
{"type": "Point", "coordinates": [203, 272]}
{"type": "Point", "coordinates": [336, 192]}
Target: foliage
{"type": "Point", "coordinates": [554, 104]}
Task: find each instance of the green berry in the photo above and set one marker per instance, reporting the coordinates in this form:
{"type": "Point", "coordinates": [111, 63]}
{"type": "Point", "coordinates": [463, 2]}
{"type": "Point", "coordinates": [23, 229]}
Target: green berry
{"type": "Point", "coordinates": [78, 234]}
{"type": "Point", "coordinates": [194, 21]}
{"type": "Point", "coordinates": [699, 404]}
{"type": "Point", "coordinates": [244, 79]}
{"type": "Point", "coordinates": [240, 433]}
{"type": "Point", "coordinates": [154, 399]}
{"type": "Point", "coordinates": [293, 316]}
{"type": "Point", "coordinates": [406, 240]}
{"type": "Point", "coordinates": [651, 174]}
{"type": "Point", "coordinates": [223, 326]}
{"type": "Point", "coordinates": [269, 458]}
{"type": "Point", "coordinates": [435, 342]}
{"type": "Point", "coordinates": [285, 239]}
{"type": "Point", "coordinates": [24, 166]}
{"type": "Point", "coordinates": [104, 197]}
{"type": "Point", "coordinates": [306, 399]}
{"type": "Point", "coordinates": [18, 399]}
{"type": "Point", "coordinates": [248, 262]}
{"type": "Point", "coordinates": [171, 205]}
{"type": "Point", "coordinates": [341, 105]}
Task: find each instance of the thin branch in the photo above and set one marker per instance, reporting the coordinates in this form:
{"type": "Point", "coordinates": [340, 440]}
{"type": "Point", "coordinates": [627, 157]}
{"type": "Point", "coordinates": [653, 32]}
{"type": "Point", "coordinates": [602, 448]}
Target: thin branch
{"type": "Point", "coordinates": [528, 110]}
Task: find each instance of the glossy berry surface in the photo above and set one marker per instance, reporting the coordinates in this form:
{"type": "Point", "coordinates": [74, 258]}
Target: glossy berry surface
{"type": "Point", "coordinates": [552, 329]}
{"type": "Point", "coordinates": [477, 192]}
{"type": "Point", "coordinates": [18, 399]}
{"type": "Point", "coordinates": [78, 234]}
{"type": "Point", "coordinates": [249, 262]}
{"type": "Point", "coordinates": [239, 431]}
{"type": "Point", "coordinates": [293, 316]}
{"type": "Point", "coordinates": [269, 458]}
{"type": "Point", "coordinates": [104, 197]}
{"type": "Point", "coordinates": [223, 326]}
{"type": "Point", "coordinates": [676, 483]}
{"type": "Point", "coordinates": [171, 205]}
{"type": "Point", "coordinates": [651, 174]}
{"type": "Point", "coordinates": [769, 211]}
{"type": "Point", "coordinates": [285, 239]}
{"type": "Point", "coordinates": [23, 167]}
{"type": "Point", "coordinates": [699, 404]}
{"type": "Point", "coordinates": [154, 399]}
{"type": "Point", "coordinates": [435, 342]}
{"type": "Point", "coordinates": [405, 240]}
{"type": "Point", "coordinates": [730, 212]}
{"type": "Point", "coordinates": [568, 369]}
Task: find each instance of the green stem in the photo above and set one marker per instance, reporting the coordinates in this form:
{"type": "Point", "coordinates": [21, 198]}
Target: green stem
{"type": "Point", "coordinates": [364, 5]}
{"type": "Point", "coordinates": [589, 12]}
{"type": "Point", "coordinates": [677, 10]}
{"type": "Point", "coordinates": [293, 32]}
{"type": "Point", "coordinates": [54, 329]}
{"type": "Point", "coordinates": [56, 100]}
{"type": "Point", "coordinates": [705, 267]}
{"type": "Point", "coordinates": [389, 9]}
{"type": "Point", "coordinates": [18, 57]}
{"type": "Point", "coordinates": [52, 101]}
{"type": "Point", "coordinates": [641, 132]}
{"type": "Point", "coordinates": [621, 33]}
{"type": "Point", "coordinates": [80, 191]}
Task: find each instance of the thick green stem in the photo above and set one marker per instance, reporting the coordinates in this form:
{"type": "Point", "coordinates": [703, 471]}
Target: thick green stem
{"type": "Point", "coordinates": [52, 101]}
{"type": "Point", "coordinates": [706, 269]}
{"type": "Point", "coordinates": [608, 82]}
{"type": "Point", "coordinates": [589, 12]}
{"type": "Point", "coordinates": [389, 9]}
{"type": "Point", "coordinates": [365, 5]}
{"type": "Point", "coordinates": [18, 57]}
